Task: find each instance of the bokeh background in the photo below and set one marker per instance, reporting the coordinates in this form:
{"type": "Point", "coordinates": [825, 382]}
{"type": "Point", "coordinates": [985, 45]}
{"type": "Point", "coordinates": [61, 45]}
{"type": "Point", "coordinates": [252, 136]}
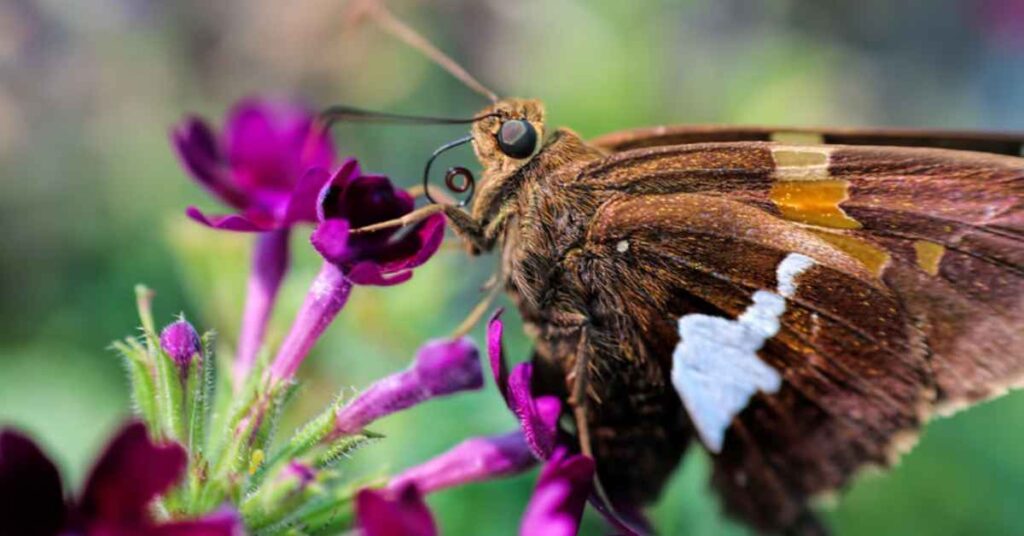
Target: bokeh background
{"type": "Point", "coordinates": [91, 197]}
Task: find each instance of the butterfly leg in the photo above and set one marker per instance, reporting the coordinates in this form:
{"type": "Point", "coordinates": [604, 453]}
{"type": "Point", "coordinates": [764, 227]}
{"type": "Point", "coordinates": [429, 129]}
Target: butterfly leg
{"type": "Point", "coordinates": [415, 216]}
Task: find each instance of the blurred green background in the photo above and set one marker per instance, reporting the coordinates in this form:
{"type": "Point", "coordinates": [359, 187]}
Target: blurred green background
{"type": "Point", "coordinates": [91, 197]}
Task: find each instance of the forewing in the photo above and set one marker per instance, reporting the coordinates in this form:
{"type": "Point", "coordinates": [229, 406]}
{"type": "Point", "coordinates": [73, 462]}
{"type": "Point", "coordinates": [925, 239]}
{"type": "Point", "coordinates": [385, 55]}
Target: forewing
{"type": "Point", "coordinates": [626, 140]}
{"type": "Point", "coordinates": [913, 301]}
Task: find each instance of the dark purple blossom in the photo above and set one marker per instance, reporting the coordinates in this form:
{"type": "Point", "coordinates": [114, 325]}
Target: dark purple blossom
{"type": "Point", "coordinates": [180, 341]}
{"type": "Point", "coordinates": [440, 368]}
{"type": "Point", "coordinates": [116, 499]}
{"type": "Point", "coordinates": [258, 164]}
{"type": "Point", "coordinates": [350, 200]}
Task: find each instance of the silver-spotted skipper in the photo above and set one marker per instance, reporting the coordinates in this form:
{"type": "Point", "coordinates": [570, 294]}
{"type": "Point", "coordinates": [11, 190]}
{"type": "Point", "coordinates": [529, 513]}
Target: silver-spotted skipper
{"type": "Point", "coordinates": [799, 302]}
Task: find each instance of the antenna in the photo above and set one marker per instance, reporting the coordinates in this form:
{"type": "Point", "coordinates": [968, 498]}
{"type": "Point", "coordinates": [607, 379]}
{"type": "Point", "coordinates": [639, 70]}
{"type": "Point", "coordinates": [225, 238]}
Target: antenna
{"type": "Point", "coordinates": [376, 10]}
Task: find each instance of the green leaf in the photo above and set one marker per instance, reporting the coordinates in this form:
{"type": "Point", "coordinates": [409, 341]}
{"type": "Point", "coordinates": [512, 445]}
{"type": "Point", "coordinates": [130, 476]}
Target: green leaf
{"type": "Point", "coordinates": [140, 376]}
{"type": "Point", "coordinates": [170, 398]}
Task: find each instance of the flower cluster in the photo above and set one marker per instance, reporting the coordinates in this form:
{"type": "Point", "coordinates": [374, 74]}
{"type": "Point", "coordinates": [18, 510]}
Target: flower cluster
{"type": "Point", "coordinates": [564, 486]}
{"type": "Point", "coordinates": [202, 458]}
{"type": "Point", "coordinates": [128, 475]}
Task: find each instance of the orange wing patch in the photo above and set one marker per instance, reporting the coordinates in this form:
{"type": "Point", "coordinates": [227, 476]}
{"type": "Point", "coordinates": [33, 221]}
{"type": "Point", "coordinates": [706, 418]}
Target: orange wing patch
{"type": "Point", "coordinates": [929, 255]}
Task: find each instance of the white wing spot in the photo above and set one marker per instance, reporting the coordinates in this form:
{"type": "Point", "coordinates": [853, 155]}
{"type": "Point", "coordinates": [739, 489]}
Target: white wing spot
{"type": "Point", "coordinates": [715, 367]}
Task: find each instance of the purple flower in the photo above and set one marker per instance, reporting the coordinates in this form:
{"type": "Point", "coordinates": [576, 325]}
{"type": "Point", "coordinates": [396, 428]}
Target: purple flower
{"type": "Point", "coordinates": [562, 489]}
{"type": "Point", "coordinates": [403, 513]}
{"type": "Point", "coordinates": [474, 460]}
{"type": "Point", "coordinates": [538, 416]}
{"type": "Point", "coordinates": [350, 200]}
{"type": "Point", "coordinates": [555, 509]}
{"type": "Point", "coordinates": [565, 484]}
{"type": "Point", "coordinates": [258, 164]}
{"type": "Point", "coordinates": [180, 341]}
{"type": "Point", "coordinates": [440, 368]}
{"type": "Point", "coordinates": [128, 476]}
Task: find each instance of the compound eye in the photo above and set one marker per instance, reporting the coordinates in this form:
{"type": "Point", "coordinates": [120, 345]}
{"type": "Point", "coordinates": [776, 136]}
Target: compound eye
{"type": "Point", "coordinates": [517, 138]}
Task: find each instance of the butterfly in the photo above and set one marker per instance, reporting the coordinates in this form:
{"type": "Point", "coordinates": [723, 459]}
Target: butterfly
{"type": "Point", "coordinates": [800, 307]}
{"type": "Point", "coordinates": [797, 302]}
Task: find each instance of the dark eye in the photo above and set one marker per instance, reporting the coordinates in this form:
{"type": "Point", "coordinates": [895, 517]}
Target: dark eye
{"type": "Point", "coordinates": [517, 138]}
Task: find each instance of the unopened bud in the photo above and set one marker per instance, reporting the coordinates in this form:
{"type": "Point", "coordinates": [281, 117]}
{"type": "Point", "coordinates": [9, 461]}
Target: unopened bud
{"type": "Point", "coordinates": [180, 341]}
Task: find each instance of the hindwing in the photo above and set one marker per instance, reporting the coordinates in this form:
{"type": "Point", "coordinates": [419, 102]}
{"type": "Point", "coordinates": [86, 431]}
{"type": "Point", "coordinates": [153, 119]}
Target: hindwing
{"type": "Point", "coordinates": [912, 302]}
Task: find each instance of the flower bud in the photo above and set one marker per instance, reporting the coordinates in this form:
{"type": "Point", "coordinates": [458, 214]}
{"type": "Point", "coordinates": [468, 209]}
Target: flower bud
{"type": "Point", "coordinates": [180, 341]}
{"type": "Point", "coordinates": [440, 368]}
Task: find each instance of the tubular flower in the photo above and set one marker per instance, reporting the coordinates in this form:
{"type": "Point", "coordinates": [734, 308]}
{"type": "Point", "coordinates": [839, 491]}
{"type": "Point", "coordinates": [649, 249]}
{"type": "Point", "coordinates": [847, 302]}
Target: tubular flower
{"type": "Point", "coordinates": [440, 368]}
{"type": "Point", "coordinates": [128, 476]}
{"type": "Point", "coordinates": [258, 166]}
{"type": "Point", "coordinates": [350, 200]}
{"type": "Point", "coordinates": [555, 508]}
{"type": "Point", "coordinates": [565, 483]}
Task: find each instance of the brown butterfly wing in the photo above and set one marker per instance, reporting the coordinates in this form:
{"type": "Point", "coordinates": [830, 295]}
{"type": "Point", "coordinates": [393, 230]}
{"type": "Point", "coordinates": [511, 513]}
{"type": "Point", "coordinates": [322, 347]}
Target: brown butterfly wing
{"type": "Point", "coordinates": [1010, 144]}
{"type": "Point", "coordinates": [914, 303]}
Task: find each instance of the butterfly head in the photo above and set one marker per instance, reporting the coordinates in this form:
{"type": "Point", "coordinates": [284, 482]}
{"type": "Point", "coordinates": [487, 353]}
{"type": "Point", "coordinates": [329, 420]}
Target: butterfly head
{"type": "Point", "coordinates": [509, 134]}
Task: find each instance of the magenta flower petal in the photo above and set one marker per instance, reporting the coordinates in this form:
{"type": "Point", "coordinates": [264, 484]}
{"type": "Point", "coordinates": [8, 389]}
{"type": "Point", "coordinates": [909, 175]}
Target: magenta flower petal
{"type": "Point", "coordinates": [370, 274]}
{"type": "Point", "coordinates": [258, 164]}
{"type": "Point", "coordinates": [403, 513]}
{"type": "Point", "coordinates": [31, 498]}
{"type": "Point", "coordinates": [440, 368]}
{"type": "Point", "coordinates": [227, 222]}
{"type": "Point", "coordinates": [538, 417]}
{"type": "Point", "coordinates": [496, 353]}
{"type": "Point", "coordinates": [131, 472]}
{"type": "Point", "coordinates": [473, 460]}
{"type": "Point", "coordinates": [267, 144]}
{"type": "Point", "coordinates": [302, 205]}
{"type": "Point", "coordinates": [383, 257]}
{"type": "Point", "coordinates": [330, 239]}
{"type": "Point", "coordinates": [419, 245]}
{"type": "Point", "coordinates": [198, 150]}
{"type": "Point", "coordinates": [561, 494]}
{"type": "Point", "coordinates": [223, 523]}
